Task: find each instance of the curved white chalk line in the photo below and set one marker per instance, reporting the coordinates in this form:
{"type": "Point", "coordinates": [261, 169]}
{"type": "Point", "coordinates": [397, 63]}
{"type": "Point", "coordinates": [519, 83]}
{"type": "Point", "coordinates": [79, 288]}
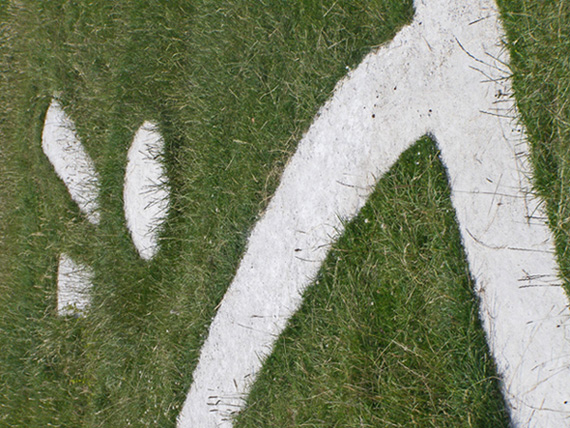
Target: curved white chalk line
{"type": "Point", "coordinates": [146, 193]}
{"type": "Point", "coordinates": [442, 75]}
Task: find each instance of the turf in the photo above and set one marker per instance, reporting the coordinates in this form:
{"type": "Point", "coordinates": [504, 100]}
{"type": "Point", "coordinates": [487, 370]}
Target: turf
{"type": "Point", "coordinates": [539, 42]}
{"type": "Point", "coordinates": [388, 336]}
{"type": "Point", "coordinates": [389, 333]}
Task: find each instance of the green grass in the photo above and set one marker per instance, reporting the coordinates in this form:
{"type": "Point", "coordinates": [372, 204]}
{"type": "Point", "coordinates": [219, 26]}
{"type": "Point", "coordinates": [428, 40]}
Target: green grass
{"type": "Point", "coordinates": [540, 47]}
{"type": "Point", "coordinates": [388, 336]}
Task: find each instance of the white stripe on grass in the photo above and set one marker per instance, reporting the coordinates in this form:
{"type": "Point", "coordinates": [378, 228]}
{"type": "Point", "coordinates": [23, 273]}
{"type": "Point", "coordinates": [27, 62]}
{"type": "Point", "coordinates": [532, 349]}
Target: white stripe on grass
{"type": "Point", "coordinates": [443, 75]}
{"type": "Point", "coordinates": [70, 160]}
{"type": "Point", "coordinates": [145, 193]}
{"type": "Point", "coordinates": [76, 169]}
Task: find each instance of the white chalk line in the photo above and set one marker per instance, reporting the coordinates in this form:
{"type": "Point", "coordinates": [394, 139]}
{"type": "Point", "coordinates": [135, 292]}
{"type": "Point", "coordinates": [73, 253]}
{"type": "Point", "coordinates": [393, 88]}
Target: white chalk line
{"type": "Point", "coordinates": [356, 201]}
{"type": "Point", "coordinates": [146, 192]}
{"type": "Point", "coordinates": [442, 75]}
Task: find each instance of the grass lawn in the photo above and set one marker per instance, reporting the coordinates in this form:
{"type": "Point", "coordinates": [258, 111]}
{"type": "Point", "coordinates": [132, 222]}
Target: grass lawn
{"type": "Point", "coordinates": [388, 334]}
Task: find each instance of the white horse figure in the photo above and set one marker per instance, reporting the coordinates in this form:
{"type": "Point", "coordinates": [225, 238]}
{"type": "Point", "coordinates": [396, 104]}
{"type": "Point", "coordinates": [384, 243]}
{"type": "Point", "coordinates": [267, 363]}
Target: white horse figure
{"type": "Point", "coordinates": [445, 75]}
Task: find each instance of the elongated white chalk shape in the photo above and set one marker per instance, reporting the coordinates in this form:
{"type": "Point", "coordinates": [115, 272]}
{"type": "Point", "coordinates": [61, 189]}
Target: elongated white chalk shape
{"type": "Point", "coordinates": [70, 160]}
{"type": "Point", "coordinates": [146, 193]}
{"type": "Point", "coordinates": [73, 287]}
{"type": "Point", "coordinates": [444, 75]}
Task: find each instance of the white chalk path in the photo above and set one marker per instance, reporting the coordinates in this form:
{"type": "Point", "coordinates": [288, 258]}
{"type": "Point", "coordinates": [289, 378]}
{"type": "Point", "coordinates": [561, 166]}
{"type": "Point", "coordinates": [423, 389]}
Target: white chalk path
{"type": "Point", "coordinates": [146, 196]}
{"type": "Point", "coordinates": [443, 75]}
{"type": "Point", "coordinates": [146, 192]}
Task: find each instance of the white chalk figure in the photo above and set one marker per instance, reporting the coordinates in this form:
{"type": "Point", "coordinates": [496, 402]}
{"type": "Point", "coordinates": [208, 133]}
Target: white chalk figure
{"type": "Point", "coordinates": [146, 192]}
{"type": "Point", "coordinates": [74, 286]}
{"type": "Point", "coordinates": [444, 75]}
{"type": "Point", "coordinates": [70, 160]}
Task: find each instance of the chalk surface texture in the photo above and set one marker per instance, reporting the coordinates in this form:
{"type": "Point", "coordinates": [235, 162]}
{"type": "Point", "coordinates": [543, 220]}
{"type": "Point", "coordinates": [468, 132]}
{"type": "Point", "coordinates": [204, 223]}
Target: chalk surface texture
{"type": "Point", "coordinates": [442, 75]}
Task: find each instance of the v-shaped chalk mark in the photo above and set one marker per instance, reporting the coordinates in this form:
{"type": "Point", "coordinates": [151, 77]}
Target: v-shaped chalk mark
{"type": "Point", "coordinates": [443, 75]}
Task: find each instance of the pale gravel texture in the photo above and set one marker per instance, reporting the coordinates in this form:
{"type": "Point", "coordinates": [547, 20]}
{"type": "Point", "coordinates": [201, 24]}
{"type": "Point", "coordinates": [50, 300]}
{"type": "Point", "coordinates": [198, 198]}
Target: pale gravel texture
{"type": "Point", "coordinates": [443, 75]}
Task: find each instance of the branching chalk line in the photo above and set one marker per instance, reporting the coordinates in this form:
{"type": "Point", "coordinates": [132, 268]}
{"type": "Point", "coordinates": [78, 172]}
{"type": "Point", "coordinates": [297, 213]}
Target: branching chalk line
{"type": "Point", "coordinates": [443, 75]}
{"type": "Point", "coordinates": [145, 196]}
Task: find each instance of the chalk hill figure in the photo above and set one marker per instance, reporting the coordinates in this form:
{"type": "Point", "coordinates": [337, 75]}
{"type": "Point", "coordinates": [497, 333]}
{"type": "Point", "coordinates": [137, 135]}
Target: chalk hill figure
{"type": "Point", "coordinates": [444, 75]}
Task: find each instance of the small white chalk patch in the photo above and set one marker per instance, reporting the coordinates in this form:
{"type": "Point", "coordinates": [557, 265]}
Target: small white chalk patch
{"type": "Point", "coordinates": [73, 287]}
{"type": "Point", "coordinates": [70, 160]}
{"type": "Point", "coordinates": [444, 75]}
